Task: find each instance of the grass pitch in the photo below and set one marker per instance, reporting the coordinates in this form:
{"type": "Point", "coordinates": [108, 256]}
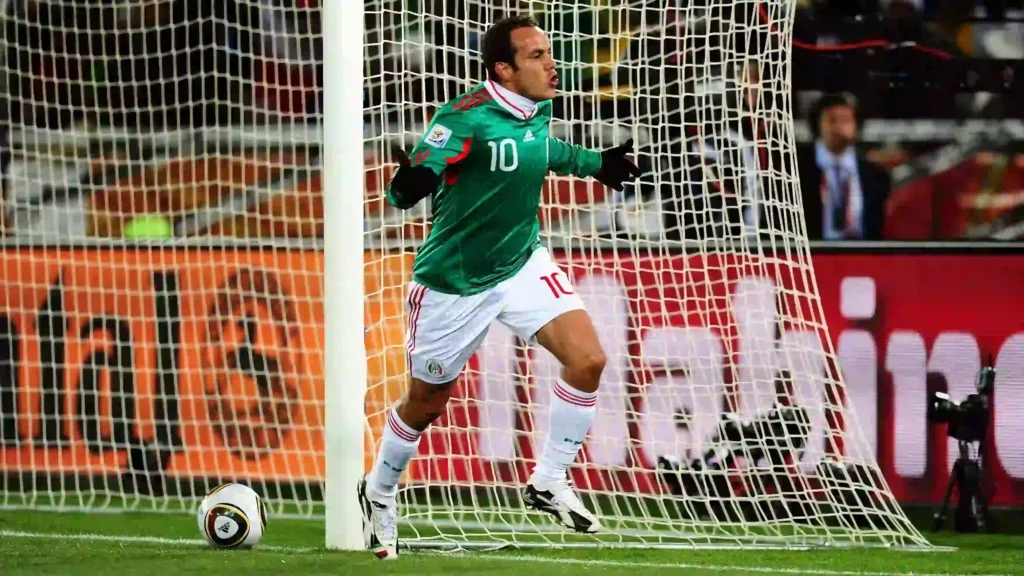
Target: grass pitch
{"type": "Point", "coordinates": [163, 544]}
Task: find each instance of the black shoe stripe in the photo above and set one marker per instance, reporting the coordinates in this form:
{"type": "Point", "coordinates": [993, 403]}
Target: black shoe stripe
{"type": "Point", "coordinates": [364, 502]}
{"type": "Point", "coordinates": [579, 523]}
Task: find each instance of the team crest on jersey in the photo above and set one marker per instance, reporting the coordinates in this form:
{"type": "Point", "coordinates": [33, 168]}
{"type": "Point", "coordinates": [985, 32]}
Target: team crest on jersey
{"type": "Point", "coordinates": [438, 136]}
{"type": "Point", "coordinates": [435, 368]}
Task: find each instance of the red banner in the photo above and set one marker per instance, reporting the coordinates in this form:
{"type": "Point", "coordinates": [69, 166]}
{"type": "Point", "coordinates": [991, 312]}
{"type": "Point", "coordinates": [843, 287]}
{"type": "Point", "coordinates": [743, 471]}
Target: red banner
{"type": "Point", "coordinates": [698, 336]}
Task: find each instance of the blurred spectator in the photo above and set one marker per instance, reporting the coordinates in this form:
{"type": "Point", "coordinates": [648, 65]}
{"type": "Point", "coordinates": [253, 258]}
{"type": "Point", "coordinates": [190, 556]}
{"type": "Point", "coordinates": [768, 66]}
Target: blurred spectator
{"type": "Point", "coordinates": [159, 63]}
{"type": "Point", "coordinates": [286, 81]}
{"type": "Point", "coordinates": [844, 193]}
{"type": "Point", "coordinates": [699, 85]}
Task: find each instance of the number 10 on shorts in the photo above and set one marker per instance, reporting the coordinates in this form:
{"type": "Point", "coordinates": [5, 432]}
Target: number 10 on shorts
{"type": "Point", "coordinates": [556, 285]}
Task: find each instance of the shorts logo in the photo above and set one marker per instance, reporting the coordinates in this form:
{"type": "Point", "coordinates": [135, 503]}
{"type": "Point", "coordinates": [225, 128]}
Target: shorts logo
{"type": "Point", "coordinates": [438, 136]}
{"type": "Point", "coordinates": [435, 368]}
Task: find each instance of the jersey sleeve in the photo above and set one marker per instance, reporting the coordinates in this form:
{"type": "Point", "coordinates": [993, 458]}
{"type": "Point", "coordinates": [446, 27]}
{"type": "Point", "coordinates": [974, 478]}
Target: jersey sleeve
{"type": "Point", "coordinates": [447, 141]}
{"type": "Point", "coordinates": [565, 158]}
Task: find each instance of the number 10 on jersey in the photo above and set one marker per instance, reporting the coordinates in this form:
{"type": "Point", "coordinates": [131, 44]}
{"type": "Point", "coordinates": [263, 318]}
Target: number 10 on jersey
{"type": "Point", "coordinates": [504, 155]}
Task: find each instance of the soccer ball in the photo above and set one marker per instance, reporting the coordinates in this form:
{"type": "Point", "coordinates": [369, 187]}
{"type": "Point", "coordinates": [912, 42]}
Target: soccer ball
{"type": "Point", "coordinates": [232, 516]}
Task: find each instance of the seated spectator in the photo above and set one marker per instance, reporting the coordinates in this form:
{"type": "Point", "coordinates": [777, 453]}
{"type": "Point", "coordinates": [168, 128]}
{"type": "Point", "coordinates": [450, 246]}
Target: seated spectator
{"type": "Point", "coordinates": [844, 193]}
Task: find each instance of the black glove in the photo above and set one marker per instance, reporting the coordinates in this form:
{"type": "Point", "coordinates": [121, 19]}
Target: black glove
{"type": "Point", "coordinates": [410, 184]}
{"type": "Point", "coordinates": [615, 167]}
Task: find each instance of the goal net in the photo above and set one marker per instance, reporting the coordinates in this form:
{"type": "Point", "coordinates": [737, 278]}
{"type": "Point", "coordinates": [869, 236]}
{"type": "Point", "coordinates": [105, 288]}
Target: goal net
{"type": "Point", "coordinates": [162, 306]}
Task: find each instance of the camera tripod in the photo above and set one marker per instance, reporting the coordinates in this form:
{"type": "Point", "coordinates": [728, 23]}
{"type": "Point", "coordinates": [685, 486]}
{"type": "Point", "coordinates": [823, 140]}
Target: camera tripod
{"type": "Point", "coordinates": [972, 506]}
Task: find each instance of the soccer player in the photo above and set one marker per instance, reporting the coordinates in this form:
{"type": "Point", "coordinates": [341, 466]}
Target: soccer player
{"type": "Point", "coordinates": [483, 160]}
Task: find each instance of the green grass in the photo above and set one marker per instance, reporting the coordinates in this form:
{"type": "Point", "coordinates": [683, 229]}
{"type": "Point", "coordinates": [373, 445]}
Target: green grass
{"type": "Point", "coordinates": [160, 544]}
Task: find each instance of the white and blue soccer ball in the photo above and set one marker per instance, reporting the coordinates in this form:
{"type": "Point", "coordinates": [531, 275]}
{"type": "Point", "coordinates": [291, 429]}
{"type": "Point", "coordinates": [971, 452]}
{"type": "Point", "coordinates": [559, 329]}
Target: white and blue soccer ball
{"type": "Point", "coordinates": [232, 516]}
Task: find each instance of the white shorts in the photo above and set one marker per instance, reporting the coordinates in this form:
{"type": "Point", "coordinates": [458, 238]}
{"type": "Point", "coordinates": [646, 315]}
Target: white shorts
{"type": "Point", "coordinates": [446, 329]}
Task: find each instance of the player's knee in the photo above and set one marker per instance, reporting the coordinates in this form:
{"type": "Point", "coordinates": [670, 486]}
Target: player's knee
{"type": "Point", "coordinates": [592, 365]}
{"type": "Point", "coordinates": [424, 403]}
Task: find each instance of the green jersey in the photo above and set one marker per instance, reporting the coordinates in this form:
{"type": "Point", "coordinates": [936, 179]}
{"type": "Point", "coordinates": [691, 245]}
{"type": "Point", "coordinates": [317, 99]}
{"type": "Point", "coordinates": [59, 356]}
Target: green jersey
{"type": "Point", "coordinates": [492, 158]}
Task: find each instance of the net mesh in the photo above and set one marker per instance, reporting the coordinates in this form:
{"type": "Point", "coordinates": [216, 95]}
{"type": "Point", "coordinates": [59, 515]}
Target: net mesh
{"type": "Point", "coordinates": [162, 304]}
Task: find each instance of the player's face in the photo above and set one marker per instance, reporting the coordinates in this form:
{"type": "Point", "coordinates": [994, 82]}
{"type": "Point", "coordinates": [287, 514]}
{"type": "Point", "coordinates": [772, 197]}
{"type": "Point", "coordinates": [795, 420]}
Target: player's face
{"type": "Point", "coordinates": [535, 76]}
{"type": "Point", "coordinates": [838, 127]}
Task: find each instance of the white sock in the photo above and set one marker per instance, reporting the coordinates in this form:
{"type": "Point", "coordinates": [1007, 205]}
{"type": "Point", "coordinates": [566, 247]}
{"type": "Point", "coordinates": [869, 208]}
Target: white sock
{"type": "Point", "coordinates": [397, 448]}
{"type": "Point", "coordinates": [572, 413]}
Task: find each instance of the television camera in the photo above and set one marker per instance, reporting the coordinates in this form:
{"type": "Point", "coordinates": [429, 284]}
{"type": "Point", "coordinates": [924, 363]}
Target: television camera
{"type": "Point", "coordinates": [967, 421]}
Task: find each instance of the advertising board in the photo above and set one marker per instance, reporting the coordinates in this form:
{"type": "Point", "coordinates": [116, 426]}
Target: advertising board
{"type": "Point", "coordinates": [209, 363]}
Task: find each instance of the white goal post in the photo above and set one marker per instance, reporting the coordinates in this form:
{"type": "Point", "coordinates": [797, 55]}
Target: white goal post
{"type": "Point", "coordinates": [202, 282]}
{"type": "Point", "coordinates": [344, 345]}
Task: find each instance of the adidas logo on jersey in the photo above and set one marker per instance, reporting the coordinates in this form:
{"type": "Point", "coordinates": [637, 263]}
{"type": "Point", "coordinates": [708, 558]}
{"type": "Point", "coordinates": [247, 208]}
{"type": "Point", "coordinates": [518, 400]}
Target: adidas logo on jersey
{"type": "Point", "coordinates": [529, 136]}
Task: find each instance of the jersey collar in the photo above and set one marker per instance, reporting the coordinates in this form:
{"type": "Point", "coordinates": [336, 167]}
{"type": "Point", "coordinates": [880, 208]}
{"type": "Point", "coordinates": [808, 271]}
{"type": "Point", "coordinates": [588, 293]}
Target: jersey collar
{"type": "Point", "coordinates": [519, 106]}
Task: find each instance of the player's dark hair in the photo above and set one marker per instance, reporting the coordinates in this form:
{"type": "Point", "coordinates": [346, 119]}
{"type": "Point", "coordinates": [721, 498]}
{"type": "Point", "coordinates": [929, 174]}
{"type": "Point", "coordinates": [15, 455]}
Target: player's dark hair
{"type": "Point", "coordinates": [827, 101]}
{"type": "Point", "coordinates": [497, 45]}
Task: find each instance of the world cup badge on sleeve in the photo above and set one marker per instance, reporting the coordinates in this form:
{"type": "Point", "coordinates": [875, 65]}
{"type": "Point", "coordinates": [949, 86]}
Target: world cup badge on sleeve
{"type": "Point", "coordinates": [438, 136]}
